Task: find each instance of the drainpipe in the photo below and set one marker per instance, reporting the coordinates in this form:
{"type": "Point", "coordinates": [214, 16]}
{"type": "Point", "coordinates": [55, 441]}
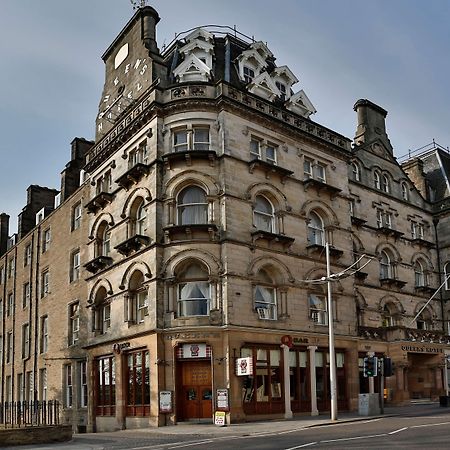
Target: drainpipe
{"type": "Point", "coordinates": [36, 305]}
{"type": "Point", "coordinates": [435, 223]}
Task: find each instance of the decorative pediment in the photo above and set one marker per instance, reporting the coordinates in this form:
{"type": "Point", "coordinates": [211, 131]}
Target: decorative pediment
{"type": "Point", "coordinates": [284, 79]}
{"type": "Point", "coordinates": [252, 59]}
{"type": "Point", "coordinates": [199, 34]}
{"type": "Point", "coordinates": [262, 49]}
{"type": "Point", "coordinates": [264, 86]}
{"type": "Point", "coordinates": [192, 69]}
{"type": "Point", "coordinates": [299, 103]}
{"type": "Point", "coordinates": [197, 45]}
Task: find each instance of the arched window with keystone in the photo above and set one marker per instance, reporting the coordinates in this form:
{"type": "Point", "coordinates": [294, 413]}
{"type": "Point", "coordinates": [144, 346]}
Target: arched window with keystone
{"type": "Point", "coordinates": [192, 206]}
{"type": "Point", "coordinates": [264, 215]}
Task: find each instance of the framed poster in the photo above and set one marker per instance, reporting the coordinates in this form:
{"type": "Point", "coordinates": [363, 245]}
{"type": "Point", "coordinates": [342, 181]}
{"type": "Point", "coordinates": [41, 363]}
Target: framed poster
{"type": "Point", "coordinates": [165, 401]}
{"type": "Point", "coordinates": [222, 399]}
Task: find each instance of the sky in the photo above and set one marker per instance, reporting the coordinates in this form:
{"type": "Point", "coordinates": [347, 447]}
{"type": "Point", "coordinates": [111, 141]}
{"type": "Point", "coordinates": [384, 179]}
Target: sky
{"type": "Point", "coordinates": [392, 52]}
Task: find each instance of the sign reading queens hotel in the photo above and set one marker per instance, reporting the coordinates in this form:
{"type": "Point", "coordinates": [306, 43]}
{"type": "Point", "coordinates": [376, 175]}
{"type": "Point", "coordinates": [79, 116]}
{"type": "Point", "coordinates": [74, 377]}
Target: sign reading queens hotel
{"type": "Point", "coordinates": [420, 349]}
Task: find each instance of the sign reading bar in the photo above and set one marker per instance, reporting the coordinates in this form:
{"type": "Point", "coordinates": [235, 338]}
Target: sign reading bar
{"type": "Point", "coordinates": [165, 401]}
{"type": "Point", "coordinates": [244, 366]}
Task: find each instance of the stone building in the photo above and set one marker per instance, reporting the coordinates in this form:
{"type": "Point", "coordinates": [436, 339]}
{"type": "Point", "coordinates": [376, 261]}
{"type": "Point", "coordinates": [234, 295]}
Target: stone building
{"type": "Point", "coordinates": [188, 236]}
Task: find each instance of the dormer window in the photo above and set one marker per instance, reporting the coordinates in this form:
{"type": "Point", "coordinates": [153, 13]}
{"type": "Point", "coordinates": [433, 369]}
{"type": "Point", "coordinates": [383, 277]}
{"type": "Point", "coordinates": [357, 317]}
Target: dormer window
{"type": "Point", "coordinates": [249, 74]}
{"type": "Point", "coordinates": [282, 88]}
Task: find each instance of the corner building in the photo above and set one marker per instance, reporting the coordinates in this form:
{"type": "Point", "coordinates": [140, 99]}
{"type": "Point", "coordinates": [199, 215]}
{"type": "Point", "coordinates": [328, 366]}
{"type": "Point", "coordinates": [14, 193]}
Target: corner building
{"type": "Point", "coordinates": [208, 198]}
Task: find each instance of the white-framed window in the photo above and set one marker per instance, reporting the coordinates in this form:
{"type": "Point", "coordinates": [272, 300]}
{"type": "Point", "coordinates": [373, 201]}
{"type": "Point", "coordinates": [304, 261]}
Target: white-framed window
{"type": "Point", "coordinates": [263, 214]}
{"type": "Point", "coordinates": [29, 388]}
{"type": "Point", "coordinates": [351, 207]}
{"type": "Point", "coordinates": [75, 266]}
{"type": "Point", "coordinates": [46, 240]}
{"type": "Point", "coordinates": [386, 266]}
{"type": "Point", "coordinates": [419, 274]}
{"type": "Point", "coordinates": [2, 275]}
{"type": "Point", "coordinates": [74, 323]}
{"type": "Point", "coordinates": [76, 216]}
{"type": "Point", "coordinates": [265, 297]}
{"type": "Point", "coordinates": [43, 384]}
{"type": "Point", "coordinates": [82, 370]}
{"type": "Point", "coordinates": [388, 317]}
{"type": "Point", "coordinates": [45, 283]}
{"type": "Point", "coordinates": [318, 309]}
{"type": "Point", "coordinates": [68, 385]}
{"type": "Point", "coordinates": [138, 156]}
{"type": "Point", "coordinates": [9, 346]}
{"type": "Point", "coordinates": [255, 148]}
{"type": "Point", "coordinates": [25, 340]}
{"type": "Point", "coordinates": [316, 229]}
{"type": "Point", "coordinates": [282, 88]}
{"type": "Point", "coordinates": [423, 321]}
{"type": "Point", "coordinates": [195, 138]}
{"type": "Point", "coordinates": [314, 169]}
{"type": "Point", "coordinates": [417, 230]}
{"type": "Point", "coordinates": [137, 300]}
{"type": "Point", "coordinates": [193, 291]}
{"type": "Point", "coordinates": [271, 153]}
{"type": "Point", "coordinates": [405, 191]}
{"type": "Point", "coordinates": [26, 295]}
{"type": "Point", "coordinates": [192, 206]}
{"type": "Point", "coordinates": [105, 313]}
{"type": "Point", "coordinates": [141, 217]}
{"type": "Point", "coordinates": [11, 267]}
{"type": "Point", "coordinates": [141, 306]}
{"type": "Point", "coordinates": [384, 219]}
{"type": "Point", "coordinates": [377, 179]}
{"type": "Point", "coordinates": [249, 74]}
{"type": "Point", "coordinates": [355, 171]}
{"type": "Point", "coordinates": [263, 150]}
{"type": "Point", "coordinates": [27, 256]}
{"type": "Point", "coordinates": [20, 388]}
{"type": "Point", "coordinates": [447, 276]}
{"type": "Point", "coordinates": [104, 183]}
{"type": "Point", "coordinates": [44, 334]}
{"type": "Point", "coordinates": [385, 184]}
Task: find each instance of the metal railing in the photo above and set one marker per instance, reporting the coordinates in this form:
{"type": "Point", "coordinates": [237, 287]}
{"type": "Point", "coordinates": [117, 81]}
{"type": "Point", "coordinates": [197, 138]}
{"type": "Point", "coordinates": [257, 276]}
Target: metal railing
{"type": "Point", "coordinates": [26, 414]}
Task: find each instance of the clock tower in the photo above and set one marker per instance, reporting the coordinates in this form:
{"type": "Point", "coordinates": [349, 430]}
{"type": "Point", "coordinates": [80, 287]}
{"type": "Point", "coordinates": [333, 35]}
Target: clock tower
{"type": "Point", "coordinates": [132, 64]}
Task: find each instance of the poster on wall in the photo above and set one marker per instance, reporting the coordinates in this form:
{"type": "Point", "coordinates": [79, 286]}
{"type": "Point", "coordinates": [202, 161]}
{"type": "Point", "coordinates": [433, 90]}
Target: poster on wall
{"type": "Point", "coordinates": [222, 399]}
{"type": "Point", "coordinates": [165, 401]}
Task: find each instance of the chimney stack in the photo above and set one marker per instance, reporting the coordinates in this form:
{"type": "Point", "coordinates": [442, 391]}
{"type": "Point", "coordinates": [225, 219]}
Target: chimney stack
{"type": "Point", "coordinates": [4, 231]}
{"type": "Point", "coordinates": [371, 124]}
{"type": "Point", "coordinates": [150, 18]}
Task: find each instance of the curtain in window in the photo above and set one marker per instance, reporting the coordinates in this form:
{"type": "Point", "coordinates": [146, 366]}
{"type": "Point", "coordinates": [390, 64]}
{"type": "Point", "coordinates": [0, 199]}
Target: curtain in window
{"type": "Point", "coordinates": [192, 206]}
{"type": "Point", "coordinates": [263, 214]}
{"type": "Point", "coordinates": [385, 266]}
{"type": "Point", "coordinates": [193, 298]}
{"type": "Point", "coordinates": [315, 230]}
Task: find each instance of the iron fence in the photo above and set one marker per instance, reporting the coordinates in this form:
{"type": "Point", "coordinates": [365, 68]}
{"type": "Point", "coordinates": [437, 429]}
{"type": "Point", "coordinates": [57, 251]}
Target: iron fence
{"type": "Point", "coordinates": [26, 414]}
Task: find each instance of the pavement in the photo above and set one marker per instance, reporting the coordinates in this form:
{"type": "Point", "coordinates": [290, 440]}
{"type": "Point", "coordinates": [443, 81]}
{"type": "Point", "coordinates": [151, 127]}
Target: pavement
{"type": "Point", "coordinates": [296, 423]}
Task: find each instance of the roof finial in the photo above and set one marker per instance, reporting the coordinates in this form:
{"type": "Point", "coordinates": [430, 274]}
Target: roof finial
{"type": "Point", "coordinates": [138, 4]}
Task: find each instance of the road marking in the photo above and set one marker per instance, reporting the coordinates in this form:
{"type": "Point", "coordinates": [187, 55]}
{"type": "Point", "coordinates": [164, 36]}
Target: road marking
{"type": "Point", "coordinates": [353, 438]}
{"type": "Point", "coordinates": [193, 443]}
{"type": "Point", "coordinates": [302, 446]}
{"type": "Point", "coordinates": [429, 425]}
{"type": "Point", "coordinates": [398, 431]}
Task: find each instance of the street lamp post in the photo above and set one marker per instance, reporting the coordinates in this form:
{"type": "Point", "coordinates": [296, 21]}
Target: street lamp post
{"type": "Point", "coordinates": [331, 339]}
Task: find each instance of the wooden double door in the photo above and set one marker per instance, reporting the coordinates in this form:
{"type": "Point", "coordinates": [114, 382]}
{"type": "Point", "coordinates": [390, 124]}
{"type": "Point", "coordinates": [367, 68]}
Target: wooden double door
{"type": "Point", "coordinates": [195, 394]}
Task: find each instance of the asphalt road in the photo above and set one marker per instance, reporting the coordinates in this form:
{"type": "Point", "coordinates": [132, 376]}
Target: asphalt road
{"type": "Point", "coordinates": [414, 431]}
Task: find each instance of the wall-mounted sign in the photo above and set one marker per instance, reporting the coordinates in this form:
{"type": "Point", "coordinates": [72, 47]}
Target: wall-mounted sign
{"type": "Point", "coordinates": [194, 351]}
{"type": "Point", "coordinates": [421, 349]}
{"type": "Point", "coordinates": [165, 401]}
{"type": "Point", "coordinates": [244, 366]}
{"type": "Point", "coordinates": [222, 399]}
{"type": "Point", "coordinates": [219, 418]}
{"type": "Point", "coordinates": [117, 348]}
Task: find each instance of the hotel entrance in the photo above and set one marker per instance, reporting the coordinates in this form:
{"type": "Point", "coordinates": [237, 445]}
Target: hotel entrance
{"type": "Point", "coordinates": [424, 376]}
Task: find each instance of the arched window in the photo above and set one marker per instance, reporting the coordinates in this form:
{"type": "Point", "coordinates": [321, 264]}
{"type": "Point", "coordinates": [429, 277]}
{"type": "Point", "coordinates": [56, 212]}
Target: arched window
{"type": "Point", "coordinates": [263, 214]}
{"type": "Point", "coordinates": [138, 217]}
{"type": "Point", "coordinates": [193, 291]}
{"type": "Point", "coordinates": [388, 317]}
{"type": "Point", "coordinates": [192, 206]}
{"type": "Point", "coordinates": [419, 274]}
{"type": "Point", "coordinates": [265, 297]}
{"type": "Point", "coordinates": [355, 171]}
{"type": "Point", "coordinates": [447, 275]}
{"type": "Point", "coordinates": [386, 266]}
{"type": "Point", "coordinates": [318, 312]}
{"type": "Point", "coordinates": [377, 180]}
{"type": "Point", "coordinates": [385, 185]}
{"type": "Point", "coordinates": [423, 321]}
{"type": "Point", "coordinates": [104, 240]}
{"type": "Point", "coordinates": [102, 312]}
{"type": "Point", "coordinates": [138, 298]}
{"type": "Point", "coordinates": [405, 193]}
{"type": "Point", "coordinates": [316, 231]}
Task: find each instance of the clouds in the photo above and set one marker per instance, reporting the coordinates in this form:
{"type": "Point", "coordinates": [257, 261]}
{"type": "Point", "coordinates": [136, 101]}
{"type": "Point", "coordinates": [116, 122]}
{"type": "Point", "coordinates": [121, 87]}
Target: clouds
{"type": "Point", "coordinates": [51, 73]}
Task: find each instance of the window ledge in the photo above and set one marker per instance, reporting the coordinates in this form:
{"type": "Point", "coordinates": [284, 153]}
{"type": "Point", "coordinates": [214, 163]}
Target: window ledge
{"type": "Point", "coordinates": [189, 155]}
{"type": "Point", "coordinates": [98, 263]}
{"type": "Point", "coordinates": [99, 202]}
{"type": "Point", "coordinates": [390, 232]}
{"type": "Point", "coordinates": [285, 241]}
{"type": "Point", "coordinates": [321, 186]}
{"type": "Point", "coordinates": [392, 282]}
{"type": "Point", "coordinates": [358, 221]}
{"type": "Point", "coordinates": [361, 276]}
{"type": "Point", "coordinates": [424, 289]}
{"type": "Point", "coordinates": [191, 231]}
{"type": "Point", "coordinates": [423, 243]}
{"type": "Point", "coordinates": [134, 243]}
{"type": "Point", "coordinates": [133, 175]}
{"type": "Point", "coordinates": [269, 168]}
{"type": "Point", "coordinates": [318, 248]}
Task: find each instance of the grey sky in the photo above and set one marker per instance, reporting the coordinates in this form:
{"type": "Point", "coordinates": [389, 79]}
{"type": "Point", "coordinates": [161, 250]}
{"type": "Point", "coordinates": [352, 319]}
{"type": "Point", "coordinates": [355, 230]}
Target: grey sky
{"type": "Point", "coordinates": [395, 53]}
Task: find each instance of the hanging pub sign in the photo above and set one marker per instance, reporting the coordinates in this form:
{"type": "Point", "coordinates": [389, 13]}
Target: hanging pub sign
{"type": "Point", "coordinates": [165, 401]}
{"type": "Point", "coordinates": [244, 366]}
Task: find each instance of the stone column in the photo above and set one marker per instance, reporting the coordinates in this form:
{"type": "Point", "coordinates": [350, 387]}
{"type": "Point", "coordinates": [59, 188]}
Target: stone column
{"type": "Point", "coordinates": [287, 384]}
{"type": "Point", "coordinates": [312, 374]}
{"type": "Point", "coordinates": [120, 391]}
